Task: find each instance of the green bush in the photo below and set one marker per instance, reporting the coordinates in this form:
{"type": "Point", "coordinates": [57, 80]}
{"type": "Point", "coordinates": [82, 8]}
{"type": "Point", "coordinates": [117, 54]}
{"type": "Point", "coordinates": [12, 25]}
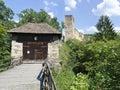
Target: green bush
{"type": "Point", "coordinates": [64, 77]}
{"type": "Point", "coordinates": [80, 82]}
{"type": "Point", "coordinates": [64, 53]}
{"type": "Point", "coordinates": [97, 62]}
{"type": "Point", "coordinates": [102, 61]}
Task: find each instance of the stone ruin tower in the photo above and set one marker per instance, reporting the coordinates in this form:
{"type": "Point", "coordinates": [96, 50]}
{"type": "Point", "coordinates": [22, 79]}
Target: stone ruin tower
{"type": "Point", "coordinates": [69, 27]}
{"type": "Point", "coordinates": [70, 30]}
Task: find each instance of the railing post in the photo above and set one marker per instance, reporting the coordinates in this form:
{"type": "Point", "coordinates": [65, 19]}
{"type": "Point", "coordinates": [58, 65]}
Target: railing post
{"type": "Point", "coordinates": [46, 78]}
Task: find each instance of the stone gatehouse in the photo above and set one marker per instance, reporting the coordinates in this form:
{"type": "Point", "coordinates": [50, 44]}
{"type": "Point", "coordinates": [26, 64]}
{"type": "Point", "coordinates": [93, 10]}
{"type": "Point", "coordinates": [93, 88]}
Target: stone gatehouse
{"type": "Point", "coordinates": [35, 43]}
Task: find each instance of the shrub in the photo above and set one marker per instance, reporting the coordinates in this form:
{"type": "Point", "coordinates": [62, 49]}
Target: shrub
{"type": "Point", "coordinates": [64, 78]}
{"type": "Point", "coordinates": [80, 82]}
{"type": "Point", "coordinates": [102, 61]}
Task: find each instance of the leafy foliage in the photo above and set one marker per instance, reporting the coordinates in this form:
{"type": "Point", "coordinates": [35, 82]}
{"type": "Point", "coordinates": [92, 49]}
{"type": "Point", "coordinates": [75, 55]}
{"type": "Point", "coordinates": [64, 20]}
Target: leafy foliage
{"type": "Point", "coordinates": [105, 28]}
{"type": "Point", "coordinates": [64, 77]}
{"type": "Point", "coordinates": [99, 60]}
{"type": "Point", "coordinates": [102, 63]}
{"type": "Point", "coordinates": [4, 49]}
{"type": "Point", "coordinates": [5, 12]}
{"type": "Point", "coordinates": [6, 16]}
{"type": "Point", "coordinates": [81, 82]}
{"type": "Point", "coordinates": [31, 16]}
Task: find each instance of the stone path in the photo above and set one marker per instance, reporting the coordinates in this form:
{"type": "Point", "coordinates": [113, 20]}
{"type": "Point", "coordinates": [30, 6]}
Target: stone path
{"type": "Point", "coordinates": [23, 77]}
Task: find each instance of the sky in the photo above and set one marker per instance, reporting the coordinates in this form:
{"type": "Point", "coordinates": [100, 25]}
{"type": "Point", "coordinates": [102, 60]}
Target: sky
{"type": "Point", "coordinates": [86, 13]}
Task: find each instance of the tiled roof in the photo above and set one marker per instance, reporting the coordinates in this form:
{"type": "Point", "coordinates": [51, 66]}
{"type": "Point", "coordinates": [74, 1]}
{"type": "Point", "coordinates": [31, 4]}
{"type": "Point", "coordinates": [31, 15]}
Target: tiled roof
{"type": "Point", "coordinates": [35, 28]}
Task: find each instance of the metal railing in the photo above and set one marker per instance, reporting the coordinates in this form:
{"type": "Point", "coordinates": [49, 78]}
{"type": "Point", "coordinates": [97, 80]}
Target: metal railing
{"type": "Point", "coordinates": [46, 79]}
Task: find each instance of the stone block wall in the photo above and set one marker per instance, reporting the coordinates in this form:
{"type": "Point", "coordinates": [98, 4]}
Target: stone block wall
{"type": "Point", "coordinates": [17, 49]}
{"type": "Point", "coordinates": [16, 53]}
{"type": "Point", "coordinates": [53, 51]}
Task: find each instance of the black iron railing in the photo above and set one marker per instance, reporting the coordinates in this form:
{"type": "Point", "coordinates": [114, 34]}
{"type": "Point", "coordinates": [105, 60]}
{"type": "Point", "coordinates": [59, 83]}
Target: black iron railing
{"type": "Point", "coordinates": [46, 78]}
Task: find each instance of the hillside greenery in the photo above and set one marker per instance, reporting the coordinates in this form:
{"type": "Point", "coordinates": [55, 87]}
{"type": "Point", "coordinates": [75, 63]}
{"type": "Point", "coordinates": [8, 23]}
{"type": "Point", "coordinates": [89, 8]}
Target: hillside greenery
{"type": "Point", "coordinates": [89, 66]}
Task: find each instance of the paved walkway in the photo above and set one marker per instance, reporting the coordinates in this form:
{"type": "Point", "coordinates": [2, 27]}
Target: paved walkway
{"type": "Point", "coordinates": [21, 77]}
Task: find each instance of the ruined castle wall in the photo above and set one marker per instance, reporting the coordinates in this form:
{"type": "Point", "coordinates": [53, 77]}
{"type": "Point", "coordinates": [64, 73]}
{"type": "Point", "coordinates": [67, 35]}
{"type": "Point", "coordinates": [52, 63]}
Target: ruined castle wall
{"type": "Point", "coordinates": [70, 31]}
{"type": "Point", "coordinates": [78, 35]}
{"type": "Point", "coordinates": [69, 27]}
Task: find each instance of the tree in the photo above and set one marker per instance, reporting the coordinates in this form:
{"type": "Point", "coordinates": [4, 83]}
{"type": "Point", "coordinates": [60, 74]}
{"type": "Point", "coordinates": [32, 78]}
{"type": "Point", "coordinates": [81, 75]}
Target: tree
{"type": "Point", "coordinates": [31, 16]}
{"type": "Point", "coordinates": [105, 28]}
{"type": "Point", "coordinates": [6, 13]}
{"type": "Point", "coordinates": [6, 16]}
{"type": "Point", "coordinates": [4, 49]}
{"type": "Point", "coordinates": [6, 22]}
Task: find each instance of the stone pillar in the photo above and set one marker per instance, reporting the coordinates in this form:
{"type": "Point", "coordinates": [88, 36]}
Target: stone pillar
{"type": "Point", "coordinates": [53, 54]}
{"type": "Point", "coordinates": [53, 51]}
{"type": "Point", "coordinates": [16, 52]}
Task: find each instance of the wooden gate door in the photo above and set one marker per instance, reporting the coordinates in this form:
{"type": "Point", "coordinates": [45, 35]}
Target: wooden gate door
{"type": "Point", "coordinates": [28, 53]}
{"type": "Point", "coordinates": [41, 51]}
{"type": "Point", "coordinates": [35, 50]}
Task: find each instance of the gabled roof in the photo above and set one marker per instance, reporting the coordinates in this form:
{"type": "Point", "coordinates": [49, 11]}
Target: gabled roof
{"type": "Point", "coordinates": [35, 28]}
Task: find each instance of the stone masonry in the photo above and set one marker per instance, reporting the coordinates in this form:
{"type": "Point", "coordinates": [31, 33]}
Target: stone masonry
{"type": "Point", "coordinates": [70, 30]}
{"type": "Point", "coordinates": [16, 50]}
{"type": "Point", "coordinates": [53, 51]}
{"type": "Point", "coordinates": [16, 53]}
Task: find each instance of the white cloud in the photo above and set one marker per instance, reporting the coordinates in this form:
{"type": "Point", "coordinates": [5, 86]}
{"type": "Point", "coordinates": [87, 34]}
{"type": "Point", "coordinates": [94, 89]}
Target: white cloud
{"type": "Point", "coordinates": [70, 4]}
{"type": "Point", "coordinates": [91, 29]}
{"type": "Point", "coordinates": [53, 4]}
{"type": "Point", "coordinates": [47, 8]}
{"type": "Point", "coordinates": [48, 5]}
{"type": "Point", "coordinates": [117, 29]}
{"type": "Point", "coordinates": [108, 7]}
{"type": "Point", "coordinates": [67, 8]}
{"type": "Point", "coordinates": [81, 30]}
{"type": "Point", "coordinates": [51, 14]}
